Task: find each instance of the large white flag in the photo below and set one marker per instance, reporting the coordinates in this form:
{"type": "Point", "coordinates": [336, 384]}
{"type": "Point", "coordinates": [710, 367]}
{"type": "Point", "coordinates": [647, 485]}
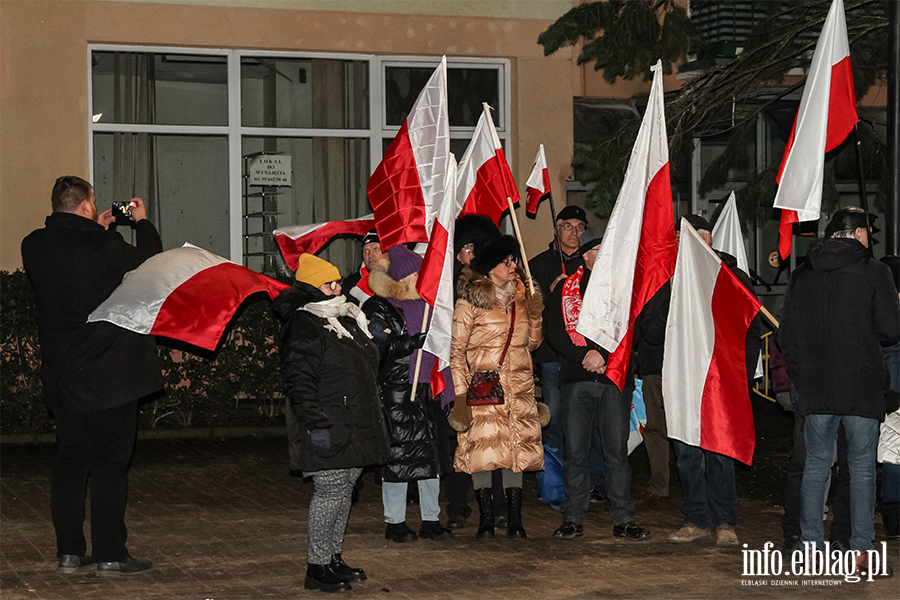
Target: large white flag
{"type": "Point", "coordinates": [637, 255]}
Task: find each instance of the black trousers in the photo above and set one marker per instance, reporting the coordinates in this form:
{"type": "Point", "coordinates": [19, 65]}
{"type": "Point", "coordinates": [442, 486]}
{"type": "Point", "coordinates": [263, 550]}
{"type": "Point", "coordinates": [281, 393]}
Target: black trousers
{"type": "Point", "coordinates": [790, 523]}
{"type": "Point", "coordinates": [93, 448]}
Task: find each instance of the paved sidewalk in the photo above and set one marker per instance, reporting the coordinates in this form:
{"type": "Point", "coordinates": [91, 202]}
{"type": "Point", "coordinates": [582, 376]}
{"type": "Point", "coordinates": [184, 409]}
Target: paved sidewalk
{"type": "Point", "coordinates": [221, 519]}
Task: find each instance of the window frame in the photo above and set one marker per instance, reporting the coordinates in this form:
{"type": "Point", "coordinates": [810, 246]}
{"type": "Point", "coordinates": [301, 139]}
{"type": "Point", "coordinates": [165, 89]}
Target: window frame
{"type": "Point", "coordinates": [234, 131]}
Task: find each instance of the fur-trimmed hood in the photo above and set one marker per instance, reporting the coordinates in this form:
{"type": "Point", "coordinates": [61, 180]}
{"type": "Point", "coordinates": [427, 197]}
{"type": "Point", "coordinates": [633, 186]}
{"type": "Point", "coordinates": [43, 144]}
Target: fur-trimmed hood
{"type": "Point", "coordinates": [478, 290]}
{"type": "Point", "coordinates": [381, 284]}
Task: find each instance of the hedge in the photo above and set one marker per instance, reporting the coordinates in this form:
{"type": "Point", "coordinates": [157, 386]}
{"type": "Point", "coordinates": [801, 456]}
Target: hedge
{"type": "Point", "coordinates": [239, 384]}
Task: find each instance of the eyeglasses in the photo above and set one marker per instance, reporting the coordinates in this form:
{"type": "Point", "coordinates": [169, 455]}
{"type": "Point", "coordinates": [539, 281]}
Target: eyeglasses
{"type": "Point", "coordinates": [333, 284]}
{"type": "Point", "coordinates": [569, 227]}
{"type": "Point", "coordinates": [468, 248]}
{"type": "Point", "coordinates": [511, 261]}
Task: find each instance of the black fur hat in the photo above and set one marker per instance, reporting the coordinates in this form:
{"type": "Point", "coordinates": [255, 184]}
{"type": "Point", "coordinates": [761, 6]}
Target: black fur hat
{"type": "Point", "coordinates": [473, 229]}
{"type": "Point", "coordinates": [494, 253]}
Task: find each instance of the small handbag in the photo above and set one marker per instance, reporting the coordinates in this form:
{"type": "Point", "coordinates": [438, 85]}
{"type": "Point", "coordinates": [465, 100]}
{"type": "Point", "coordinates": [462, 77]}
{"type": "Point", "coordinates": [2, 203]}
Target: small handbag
{"type": "Point", "coordinates": [484, 387]}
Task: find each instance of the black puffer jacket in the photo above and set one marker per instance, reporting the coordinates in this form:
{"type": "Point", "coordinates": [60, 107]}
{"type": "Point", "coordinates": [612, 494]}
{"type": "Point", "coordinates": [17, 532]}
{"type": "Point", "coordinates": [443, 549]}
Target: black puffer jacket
{"type": "Point", "coordinates": [415, 450]}
{"type": "Point", "coordinates": [330, 384]}
{"type": "Point", "coordinates": [840, 308]}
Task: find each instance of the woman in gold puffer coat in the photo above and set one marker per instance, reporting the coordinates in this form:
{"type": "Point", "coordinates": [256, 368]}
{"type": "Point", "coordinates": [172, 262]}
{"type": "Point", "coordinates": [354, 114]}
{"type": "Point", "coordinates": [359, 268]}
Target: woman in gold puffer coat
{"type": "Point", "coordinates": [504, 436]}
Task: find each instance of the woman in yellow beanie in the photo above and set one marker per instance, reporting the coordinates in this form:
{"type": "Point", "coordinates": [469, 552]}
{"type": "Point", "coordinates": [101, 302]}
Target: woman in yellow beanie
{"type": "Point", "coordinates": [334, 422]}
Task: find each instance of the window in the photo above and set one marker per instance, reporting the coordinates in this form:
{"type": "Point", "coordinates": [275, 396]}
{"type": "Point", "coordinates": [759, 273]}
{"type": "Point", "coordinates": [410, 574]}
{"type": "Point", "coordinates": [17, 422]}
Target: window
{"type": "Point", "coordinates": [179, 128]}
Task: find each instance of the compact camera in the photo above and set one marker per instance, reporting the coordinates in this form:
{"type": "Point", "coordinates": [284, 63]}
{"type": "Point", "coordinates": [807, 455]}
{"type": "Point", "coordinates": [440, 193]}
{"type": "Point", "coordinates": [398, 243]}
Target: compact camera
{"type": "Point", "coordinates": [122, 212]}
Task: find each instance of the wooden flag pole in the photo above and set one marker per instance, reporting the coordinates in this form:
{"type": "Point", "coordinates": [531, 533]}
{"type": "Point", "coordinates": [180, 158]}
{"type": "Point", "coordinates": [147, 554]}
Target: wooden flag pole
{"type": "Point", "coordinates": [419, 355]}
{"type": "Point", "coordinates": [512, 209]}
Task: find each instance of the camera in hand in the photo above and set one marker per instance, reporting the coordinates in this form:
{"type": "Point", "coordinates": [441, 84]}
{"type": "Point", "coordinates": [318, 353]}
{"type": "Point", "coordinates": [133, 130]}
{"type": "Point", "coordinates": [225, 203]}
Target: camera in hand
{"type": "Point", "coordinates": [122, 212]}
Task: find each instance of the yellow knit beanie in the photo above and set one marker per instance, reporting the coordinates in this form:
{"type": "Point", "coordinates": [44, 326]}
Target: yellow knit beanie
{"type": "Point", "coordinates": [313, 270]}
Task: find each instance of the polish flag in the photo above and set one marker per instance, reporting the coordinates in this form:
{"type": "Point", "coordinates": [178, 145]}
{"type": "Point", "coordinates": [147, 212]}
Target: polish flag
{"type": "Point", "coordinates": [187, 294]}
{"type": "Point", "coordinates": [637, 255]}
{"type": "Point", "coordinates": [704, 373]}
{"type": "Point", "coordinates": [727, 235]}
{"type": "Point", "coordinates": [826, 116]}
{"type": "Point", "coordinates": [484, 180]}
{"type": "Point", "coordinates": [309, 239]}
{"type": "Point", "coordinates": [435, 281]}
{"type": "Point", "coordinates": [408, 183]}
{"type": "Point", "coordinates": [538, 184]}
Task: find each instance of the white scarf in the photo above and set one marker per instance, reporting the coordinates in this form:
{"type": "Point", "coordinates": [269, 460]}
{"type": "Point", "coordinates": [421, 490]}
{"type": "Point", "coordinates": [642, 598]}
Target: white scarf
{"type": "Point", "coordinates": [336, 307]}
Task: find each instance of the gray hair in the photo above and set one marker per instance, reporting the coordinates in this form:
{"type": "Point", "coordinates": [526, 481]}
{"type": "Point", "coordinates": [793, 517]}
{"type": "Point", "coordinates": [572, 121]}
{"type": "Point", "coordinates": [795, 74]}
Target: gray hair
{"type": "Point", "coordinates": [845, 233]}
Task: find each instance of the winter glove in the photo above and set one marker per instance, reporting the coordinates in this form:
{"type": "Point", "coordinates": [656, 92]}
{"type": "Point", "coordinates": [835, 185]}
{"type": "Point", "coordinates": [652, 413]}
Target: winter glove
{"type": "Point", "coordinates": [418, 340]}
{"type": "Point", "coordinates": [534, 305]}
{"type": "Point", "coordinates": [460, 417]}
{"type": "Point", "coordinates": [543, 414]}
{"type": "Point", "coordinates": [321, 442]}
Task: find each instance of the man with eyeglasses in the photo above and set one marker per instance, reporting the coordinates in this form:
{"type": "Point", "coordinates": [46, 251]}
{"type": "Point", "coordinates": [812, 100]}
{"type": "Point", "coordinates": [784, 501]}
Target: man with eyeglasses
{"type": "Point", "coordinates": [549, 268]}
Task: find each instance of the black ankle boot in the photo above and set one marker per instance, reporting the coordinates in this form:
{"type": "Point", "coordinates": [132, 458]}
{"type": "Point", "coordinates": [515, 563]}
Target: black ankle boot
{"type": "Point", "coordinates": [890, 512]}
{"type": "Point", "coordinates": [514, 512]}
{"type": "Point", "coordinates": [321, 577]}
{"type": "Point", "coordinates": [346, 571]}
{"type": "Point", "coordinates": [486, 519]}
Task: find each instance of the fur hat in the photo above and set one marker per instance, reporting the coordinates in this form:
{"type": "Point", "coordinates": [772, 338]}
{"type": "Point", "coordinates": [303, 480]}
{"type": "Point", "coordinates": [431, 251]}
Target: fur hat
{"type": "Point", "coordinates": [473, 229]}
{"type": "Point", "coordinates": [495, 253]}
{"type": "Point", "coordinates": [315, 271]}
{"type": "Point", "coordinates": [404, 262]}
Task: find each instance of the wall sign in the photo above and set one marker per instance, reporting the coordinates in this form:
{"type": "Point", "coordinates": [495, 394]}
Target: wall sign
{"type": "Point", "coordinates": [270, 169]}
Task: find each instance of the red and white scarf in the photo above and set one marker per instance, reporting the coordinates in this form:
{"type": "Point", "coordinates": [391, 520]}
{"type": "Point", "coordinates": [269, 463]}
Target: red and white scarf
{"type": "Point", "coordinates": [571, 306]}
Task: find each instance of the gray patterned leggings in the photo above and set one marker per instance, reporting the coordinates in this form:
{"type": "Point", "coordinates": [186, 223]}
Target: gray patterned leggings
{"type": "Point", "coordinates": [329, 509]}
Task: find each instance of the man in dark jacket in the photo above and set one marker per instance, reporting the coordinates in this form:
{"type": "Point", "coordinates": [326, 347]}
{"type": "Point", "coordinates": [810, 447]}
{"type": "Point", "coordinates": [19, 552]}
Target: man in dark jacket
{"type": "Point", "coordinates": [839, 309]}
{"type": "Point", "coordinates": [548, 269]}
{"type": "Point", "coordinates": [356, 286]}
{"type": "Point", "coordinates": [94, 374]}
{"type": "Point", "coordinates": [591, 399]}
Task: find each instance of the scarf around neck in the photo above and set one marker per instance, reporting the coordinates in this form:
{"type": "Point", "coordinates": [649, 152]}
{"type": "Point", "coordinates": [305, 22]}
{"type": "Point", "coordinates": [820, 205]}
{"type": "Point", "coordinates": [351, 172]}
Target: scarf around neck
{"type": "Point", "coordinates": [571, 306]}
{"type": "Point", "coordinates": [336, 307]}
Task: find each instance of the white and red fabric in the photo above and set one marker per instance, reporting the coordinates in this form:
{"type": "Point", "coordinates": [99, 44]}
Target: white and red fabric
{"type": "Point", "coordinates": [537, 187]}
{"type": "Point", "coordinates": [637, 254]}
{"type": "Point", "coordinates": [309, 239]}
{"type": "Point", "coordinates": [826, 116]}
{"type": "Point", "coordinates": [435, 281]}
{"type": "Point", "coordinates": [409, 180]}
{"type": "Point", "coordinates": [571, 306]}
{"type": "Point", "coordinates": [704, 372]}
{"type": "Point", "coordinates": [187, 294]}
{"type": "Point", "coordinates": [728, 237]}
{"type": "Point", "coordinates": [484, 180]}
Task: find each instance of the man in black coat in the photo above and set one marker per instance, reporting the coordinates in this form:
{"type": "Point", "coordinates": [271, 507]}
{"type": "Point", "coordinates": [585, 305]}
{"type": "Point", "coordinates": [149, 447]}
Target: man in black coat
{"type": "Point", "coordinates": [840, 307]}
{"type": "Point", "coordinates": [592, 401]}
{"type": "Point", "coordinates": [94, 374]}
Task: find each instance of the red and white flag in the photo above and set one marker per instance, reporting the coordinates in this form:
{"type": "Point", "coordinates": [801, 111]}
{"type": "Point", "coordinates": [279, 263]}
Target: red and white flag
{"type": "Point", "coordinates": [409, 181]}
{"type": "Point", "coordinates": [484, 180]}
{"type": "Point", "coordinates": [637, 255]}
{"type": "Point", "coordinates": [538, 185]}
{"type": "Point", "coordinates": [309, 239]}
{"type": "Point", "coordinates": [727, 235]}
{"type": "Point", "coordinates": [826, 116]}
{"type": "Point", "coordinates": [704, 372]}
{"type": "Point", "coordinates": [435, 282]}
{"type": "Point", "coordinates": [187, 294]}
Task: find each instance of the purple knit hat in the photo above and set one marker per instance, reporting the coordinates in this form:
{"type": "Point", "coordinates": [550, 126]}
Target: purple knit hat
{"type": "Point", "coordinates": [404, 262]}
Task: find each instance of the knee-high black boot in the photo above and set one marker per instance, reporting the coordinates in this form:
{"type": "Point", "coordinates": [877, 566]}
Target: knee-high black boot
{"type": "Point", "coordinates": [514, 513]}
{"type": "Point", "coordinates": [486, 520]}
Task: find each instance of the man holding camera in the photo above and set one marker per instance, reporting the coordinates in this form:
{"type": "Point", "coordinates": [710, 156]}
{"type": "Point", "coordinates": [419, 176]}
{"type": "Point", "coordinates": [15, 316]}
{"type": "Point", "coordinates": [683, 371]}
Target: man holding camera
{"type": "Point", "coordinates": [94, 374]}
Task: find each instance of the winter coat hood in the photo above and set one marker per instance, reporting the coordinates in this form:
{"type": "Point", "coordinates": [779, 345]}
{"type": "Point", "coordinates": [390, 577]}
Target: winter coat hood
{"type": "Point", "coordinates": [381, 283]}
{"type": "Point", "coordinates": [835, 253]}
{"type": "Point", "coordinates": [478, 290]}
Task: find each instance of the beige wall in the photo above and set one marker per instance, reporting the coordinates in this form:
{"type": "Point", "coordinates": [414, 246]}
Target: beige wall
{"type": "Point", "coordinates": [44, 77]}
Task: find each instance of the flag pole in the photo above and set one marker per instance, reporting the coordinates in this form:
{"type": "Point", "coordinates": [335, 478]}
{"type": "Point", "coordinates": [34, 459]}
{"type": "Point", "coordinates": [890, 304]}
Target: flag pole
{"type": "Point", "coordinates": [562, 260]}
{"type": "Point", "coordinates": [512, 209]}
{"type": "Point", "coordinates": [419, 355]}
{"type": "Point", "coordinates": [862, 186]}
